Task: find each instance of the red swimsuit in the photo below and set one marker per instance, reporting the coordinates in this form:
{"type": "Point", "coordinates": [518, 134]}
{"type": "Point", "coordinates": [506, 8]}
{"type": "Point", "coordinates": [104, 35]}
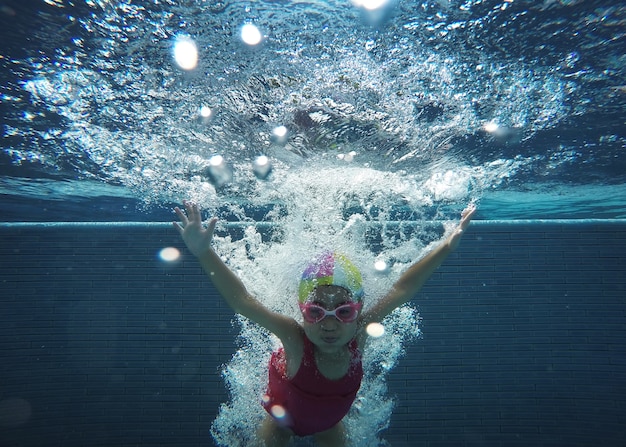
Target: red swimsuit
{"type": "Point", "coordinates": [310, 402]}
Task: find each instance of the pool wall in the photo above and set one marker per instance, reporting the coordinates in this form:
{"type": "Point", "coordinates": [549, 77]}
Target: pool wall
{"type": "Point", "coordinates": [102, 343]}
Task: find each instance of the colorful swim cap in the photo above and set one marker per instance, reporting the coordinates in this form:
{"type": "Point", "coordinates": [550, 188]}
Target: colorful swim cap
{"type": "Point", "coordinates": [331, 269]}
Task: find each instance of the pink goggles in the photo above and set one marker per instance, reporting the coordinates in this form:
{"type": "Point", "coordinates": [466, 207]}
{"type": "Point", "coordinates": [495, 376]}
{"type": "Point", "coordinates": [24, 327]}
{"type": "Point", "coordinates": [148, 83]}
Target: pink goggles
{"type": "Point", "coordinates": [346, 313]}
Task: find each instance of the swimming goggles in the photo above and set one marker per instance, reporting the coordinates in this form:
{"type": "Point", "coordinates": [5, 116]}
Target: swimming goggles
{"type": "Point", "coordinates": [346, 313]}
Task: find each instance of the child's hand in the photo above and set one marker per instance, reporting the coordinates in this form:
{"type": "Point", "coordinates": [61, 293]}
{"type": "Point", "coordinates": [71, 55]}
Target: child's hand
{"type": "Point", "coordinates": [466, 217]}
{"type": "Point", "coordinates": [197, 238]}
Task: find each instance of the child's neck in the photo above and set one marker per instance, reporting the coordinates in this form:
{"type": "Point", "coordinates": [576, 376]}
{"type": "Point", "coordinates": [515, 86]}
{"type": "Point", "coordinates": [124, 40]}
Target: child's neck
{"type": "Point", "coordinates": [331, 352]}
{"type": "Point", "coordinates": [333, 364]}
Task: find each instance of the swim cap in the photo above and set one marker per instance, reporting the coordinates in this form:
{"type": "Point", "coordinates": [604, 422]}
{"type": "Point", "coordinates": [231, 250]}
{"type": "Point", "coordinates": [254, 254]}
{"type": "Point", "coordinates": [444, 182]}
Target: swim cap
{"type": "Point", "coordinates": [331, 269]}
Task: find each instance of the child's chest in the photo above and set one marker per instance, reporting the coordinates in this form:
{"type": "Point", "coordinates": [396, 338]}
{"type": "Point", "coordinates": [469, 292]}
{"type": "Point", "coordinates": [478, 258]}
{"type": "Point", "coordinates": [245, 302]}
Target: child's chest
{"type": "Point", "coordinates": [332, 367]}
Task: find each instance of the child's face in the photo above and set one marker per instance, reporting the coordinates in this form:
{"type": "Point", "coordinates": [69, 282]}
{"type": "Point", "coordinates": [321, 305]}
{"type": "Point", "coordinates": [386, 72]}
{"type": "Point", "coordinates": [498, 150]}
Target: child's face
{"type": "Point", "coordinates": [330, 333]}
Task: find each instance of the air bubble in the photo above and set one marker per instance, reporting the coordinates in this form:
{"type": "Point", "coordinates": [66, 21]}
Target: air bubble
{"type": "Point", "coordinates": [381, 266]}
{"type": "Point", "coordinates": [370, 5]}
{"type": "Point", "coordinates": [375, 330]}
{"type": "Point", "coordinates": [250, 34]}
{"type": "Point", "coordinates": [262, 167]}
{"type": "Point", "coordinates": [169, 254]}
{"type": "Point", "coordinates": [491, 127]}
{"type": "Point", "coordinates": [205, 112]}
{"type": "Point", "coordinates": [349, 157]}
{"type": "Point", "coordinates": [278, 411]}
{"type": "Point", "coordinates": [219, 172]}
{"type": "Point", "coordinates": [185, 53]}
{"type": "Point", "coordinates": [279, 134]}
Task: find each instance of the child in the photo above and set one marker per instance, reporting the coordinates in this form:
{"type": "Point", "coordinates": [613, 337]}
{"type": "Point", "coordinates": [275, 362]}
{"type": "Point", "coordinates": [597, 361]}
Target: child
{"type": "Point", "coordinates": [315, 376]}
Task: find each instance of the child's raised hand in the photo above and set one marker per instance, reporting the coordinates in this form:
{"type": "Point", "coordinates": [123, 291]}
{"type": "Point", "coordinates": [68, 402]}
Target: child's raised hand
{"type": "Point", "coordinates": [197, 238]}
{"type": "Point", "coordinates": [466, 217]}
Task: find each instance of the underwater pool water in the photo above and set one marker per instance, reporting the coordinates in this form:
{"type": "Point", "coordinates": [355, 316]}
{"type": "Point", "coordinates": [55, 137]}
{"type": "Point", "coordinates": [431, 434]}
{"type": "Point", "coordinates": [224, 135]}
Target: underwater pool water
{"type": "Point", "coordinates": [517, 104]}
{"type": "Point", "coordinates": [105, 341]}
{"type": "Point", "coordinates": [303, 125]}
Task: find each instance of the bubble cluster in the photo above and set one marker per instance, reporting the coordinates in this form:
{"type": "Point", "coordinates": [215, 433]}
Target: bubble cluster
{"type": "Point", "coordinates": [315, 216]}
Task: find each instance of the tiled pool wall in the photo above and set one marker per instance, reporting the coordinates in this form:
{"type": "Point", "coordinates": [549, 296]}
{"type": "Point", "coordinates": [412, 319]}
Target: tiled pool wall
{"type": "Point", "coordinates": [102, 344]}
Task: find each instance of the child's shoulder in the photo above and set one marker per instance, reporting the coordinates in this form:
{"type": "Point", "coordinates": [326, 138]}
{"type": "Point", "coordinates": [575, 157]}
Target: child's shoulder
{"type": "Point", "coordinates": [293, 353]}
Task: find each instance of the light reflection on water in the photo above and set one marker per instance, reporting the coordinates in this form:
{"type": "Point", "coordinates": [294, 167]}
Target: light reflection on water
{"type": "Point", "coordinates": [323, 85]}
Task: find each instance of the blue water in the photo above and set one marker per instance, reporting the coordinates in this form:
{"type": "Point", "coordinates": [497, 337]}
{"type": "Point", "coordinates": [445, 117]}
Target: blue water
{"type": "Point", "coordinates": [516, 104]}
{"type": "Point", "coordinates": [393, 121]}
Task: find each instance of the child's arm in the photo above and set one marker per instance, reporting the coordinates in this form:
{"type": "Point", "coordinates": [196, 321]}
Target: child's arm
{"type": "Point", "coordinates": [412, 280]}
{"type": "Point", "coordinates": [198, 240]}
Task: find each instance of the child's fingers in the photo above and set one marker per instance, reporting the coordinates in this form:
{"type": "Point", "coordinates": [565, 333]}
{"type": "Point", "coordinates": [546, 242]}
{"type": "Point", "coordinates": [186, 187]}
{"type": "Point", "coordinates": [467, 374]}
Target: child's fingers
{"type": "Point", "coordinates": [466, 216]}
{"type": "Point", "coordinates": [468, 212]}
{"type": "Point", "coordinates": [211, 225]}
{"type": "Point", "coordinates": [178, 227]}
{"type": "Point", "coordinates": [181, 216]}
{"type": "Point", "coordinates": [193, 211]}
